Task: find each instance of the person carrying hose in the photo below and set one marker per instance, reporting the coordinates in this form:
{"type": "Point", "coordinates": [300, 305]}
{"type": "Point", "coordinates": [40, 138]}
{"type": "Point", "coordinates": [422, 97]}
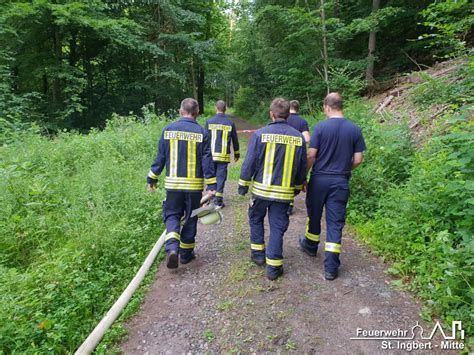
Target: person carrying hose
{"type": "Point", "coordinates": [184, 150]}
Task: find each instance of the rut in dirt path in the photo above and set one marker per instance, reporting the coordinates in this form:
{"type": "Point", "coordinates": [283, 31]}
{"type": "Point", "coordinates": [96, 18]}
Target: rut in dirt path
{"type": "Point", "coordinates": [223, 302]}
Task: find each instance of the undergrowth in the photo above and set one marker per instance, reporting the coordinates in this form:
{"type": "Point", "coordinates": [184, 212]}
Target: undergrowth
{"type": "Point", "coordinates": [76, 223]}
{"type": "Point", "coordinates": [415, 206]}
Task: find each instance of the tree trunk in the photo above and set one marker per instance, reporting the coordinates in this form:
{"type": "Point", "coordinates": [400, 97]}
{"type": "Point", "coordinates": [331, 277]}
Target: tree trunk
{"type": "Point", "coordinates": [369, 76]}
{"type": "Point", "coordinates": [57, 46]}
{"type": "Point", "coordinates": [193, 80]}
{"type": "Point", "coordinates": [45, 84]}
{"type": "Point", "coordinates": [200, 89]}
{"type": "Point", "coordinates": [325, 47]}
{"type": "Point", "coordinates": [337, 9]}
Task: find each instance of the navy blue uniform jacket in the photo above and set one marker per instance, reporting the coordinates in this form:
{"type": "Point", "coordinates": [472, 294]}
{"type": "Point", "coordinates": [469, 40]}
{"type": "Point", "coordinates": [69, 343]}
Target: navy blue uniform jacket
{"type": "Point", "coordinates": [275, 164]}
{"type": "Point", "coordinates": [184, 149]}
{"type": "Point", "coordinates": [222, 132]}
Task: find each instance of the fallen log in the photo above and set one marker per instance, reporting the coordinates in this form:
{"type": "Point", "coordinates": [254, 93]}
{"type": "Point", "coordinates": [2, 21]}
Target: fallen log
{"type": "Point", "coordinates": [385, 103]}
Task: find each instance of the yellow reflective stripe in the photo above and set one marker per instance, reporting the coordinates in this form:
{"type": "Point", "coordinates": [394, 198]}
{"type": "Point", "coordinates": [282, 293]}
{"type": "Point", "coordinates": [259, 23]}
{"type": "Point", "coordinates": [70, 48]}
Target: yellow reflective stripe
{"type": "Point", "coordinates": [274, 262]}
{"type": "Point", "coordinates": [273, 195]}
{"type": "Point", "coordinates": [210, 181]}
{"type": "Point", "coordinates": [257, 246]}
{"type": "Point", "coordinates": [222, 159]}
{"type": "Point", "coordinates": [225, 134]}
{"type": "Point", "coordinates": [270, 188]}
{"type": "Point", "coordinates": [236, 152]}
{"type": "Point", "coordinates": [221, 155]}
{"type": "Point", "coordinates": [178, 183]}
{"type": "Point", "coordinates": [332, 247]}
{"type": "Point", "coordinates": [298, 187]}
{"type": "Point", "coordinates": [285, 166]}
{"type": "Point", "coordinates": [311, 236]}
{"type": "Point", "coordinates": [213, 140]}
{"type": "Point", "coordinates": [170, 186]}
{"type": "Point", "coordinates": [184, 179]}
{"type": "Point", "coordinates": [152, 175]}
{"type": "Point", "coordinates": [173, 157]}
{"type": "Point", "coordinates": [268, 165]}
{"type": "Point", "coordinates": [219, 194]}
{"type": "Point", "coordinates": [244, 182]}
{"type": "Point", "coordinates": [191, 159]}
{"type": "Point", "coordinates": [172, 235]}
{"type": "Point", "coordinates": [186, 245]}
{"type": "Point", "coordinates": [289, 167]}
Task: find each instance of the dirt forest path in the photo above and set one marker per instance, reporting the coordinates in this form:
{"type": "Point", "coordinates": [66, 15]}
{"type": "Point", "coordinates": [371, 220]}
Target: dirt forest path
{"type": "Point", "coordinates": [221, 302]}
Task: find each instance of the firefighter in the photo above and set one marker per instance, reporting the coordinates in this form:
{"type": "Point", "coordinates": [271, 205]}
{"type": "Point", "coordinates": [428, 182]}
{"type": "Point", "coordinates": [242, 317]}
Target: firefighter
{"type": "Point", "coordinates": [222, 131]}
{"type": "Point", "coordinates": [298, 122]}
{"type": "Point", "coordinates": [184, 150]}
{"type": "Point", "coordinates": [335, 149]}
{"type": "Point", "coordinates": [275, 168]}
{"type": "Point", "coordinates": [301, 125]}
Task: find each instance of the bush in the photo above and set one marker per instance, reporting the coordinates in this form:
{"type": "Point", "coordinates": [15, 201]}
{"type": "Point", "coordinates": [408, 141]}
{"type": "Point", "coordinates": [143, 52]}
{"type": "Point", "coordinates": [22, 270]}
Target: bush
{"type": "Point", "coordinates": [419, 212]}
{"type": "Point", "coordinates": [75, 225]}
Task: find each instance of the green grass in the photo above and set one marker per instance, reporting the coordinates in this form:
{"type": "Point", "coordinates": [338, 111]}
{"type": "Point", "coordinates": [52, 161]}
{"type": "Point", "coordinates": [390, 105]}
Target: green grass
{"type": "Point", "coordinates": [233, 172]}
{"type": "Point", "coordinates": [209, 335]}
{"type": "Point", "coordinates": [76, 223]}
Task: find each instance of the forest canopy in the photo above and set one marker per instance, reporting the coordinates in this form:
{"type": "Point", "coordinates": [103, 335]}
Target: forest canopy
{"type": "Point", "coordinates": [71, 64]}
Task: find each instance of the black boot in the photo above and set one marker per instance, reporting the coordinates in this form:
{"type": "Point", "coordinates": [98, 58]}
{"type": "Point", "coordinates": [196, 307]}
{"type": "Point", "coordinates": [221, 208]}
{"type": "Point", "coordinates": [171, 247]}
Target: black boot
{"type": "Point", "coordinates": [274, 273]}
{"type": "Point", "coordinates": [330, 275]}
{"type": "Point", "coordinates": [257, 260]}
{"type": "Point", "coordinates": [305, 248]}
{"type": "Point", "coordinates": [188, 258]}
{"type": "Point", "coordinates": [172, 259]}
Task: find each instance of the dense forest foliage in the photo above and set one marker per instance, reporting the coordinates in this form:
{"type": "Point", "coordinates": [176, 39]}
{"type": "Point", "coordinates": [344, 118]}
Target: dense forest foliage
{"type": "Point", "coordinates": [87, 86]}
{"type": "Point", "coordinates": [71, 64]}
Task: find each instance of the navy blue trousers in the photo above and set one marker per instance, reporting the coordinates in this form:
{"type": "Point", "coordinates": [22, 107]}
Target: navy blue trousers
{"type": "Point", "coordinates": [332, 192]}
{"type": "Point", "coordinates": [278, 220]}
{"type": "Point", "coordinates": [177, 205]}
{"type": "Point", "coordinates": [221, 176]}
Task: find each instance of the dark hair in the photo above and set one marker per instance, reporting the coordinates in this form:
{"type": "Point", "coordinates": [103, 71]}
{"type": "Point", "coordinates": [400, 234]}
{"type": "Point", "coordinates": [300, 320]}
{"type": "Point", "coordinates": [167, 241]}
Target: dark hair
{"type": "Point", "coordinates": [280, 108]}
{"type": "Point", "coordinates": [190, 106]}
{"type": "Point", "coordinates": [334, 101]}
{"type": "Point", "coordinates": [295, 105]}
{"type": "Point", "coordinates": [220, 106]}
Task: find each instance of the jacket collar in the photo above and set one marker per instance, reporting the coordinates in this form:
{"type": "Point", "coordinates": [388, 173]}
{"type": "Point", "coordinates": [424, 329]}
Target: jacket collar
{"type": "Point", "coordinates": [279, 120]}
{"type": "Point", "coordinates": [187, 119]}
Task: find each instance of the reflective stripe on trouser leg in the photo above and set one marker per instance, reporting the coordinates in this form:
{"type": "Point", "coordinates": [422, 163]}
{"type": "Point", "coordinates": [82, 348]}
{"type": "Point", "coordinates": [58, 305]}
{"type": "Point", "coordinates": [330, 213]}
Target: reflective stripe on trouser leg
{"type": "Point", "coordinates": [256, 214]}
{"type": "Point", "coordinates": [221, 175]}
{"type": "Point", "coordinates": [310, 236]}
{"type": "Point", "coordinates": [188, 232]}
{"type": "Point", "coordinates": [258, 247]}
{"type": "Point", "coordinates": [335, 219]}
{"type": "Point", "coordinates": [315, 198]}
{"type": "Point", "coordinates": [278, 220]}
{"type": "Point", "coordinates": [173, 211]}
{"type": "Point", "coordinates": [332, 247]}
